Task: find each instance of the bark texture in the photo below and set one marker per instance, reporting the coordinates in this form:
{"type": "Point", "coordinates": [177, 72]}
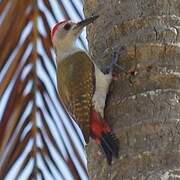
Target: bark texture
{"type": "Point", "coordinates": [143, 105]}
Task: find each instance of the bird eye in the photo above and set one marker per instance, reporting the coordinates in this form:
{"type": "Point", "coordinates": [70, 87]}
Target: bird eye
{"type": "Point", "coordinates": [67, 26]}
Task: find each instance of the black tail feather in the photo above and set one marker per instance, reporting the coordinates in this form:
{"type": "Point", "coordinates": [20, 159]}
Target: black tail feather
{"type": "Point", "coordinates": [108, 153]}
{"type": "Point", "coordinates": [110, 146]}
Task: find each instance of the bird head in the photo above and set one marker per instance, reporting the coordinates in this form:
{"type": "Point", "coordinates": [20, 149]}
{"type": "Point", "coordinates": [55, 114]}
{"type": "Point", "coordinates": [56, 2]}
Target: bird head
{"type": "Point", "coordinates": [65, 33]}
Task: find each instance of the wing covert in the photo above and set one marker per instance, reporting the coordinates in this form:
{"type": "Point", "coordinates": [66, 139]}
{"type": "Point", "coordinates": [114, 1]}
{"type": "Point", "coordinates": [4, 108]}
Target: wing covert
{"type": "Point", "coordinates": [76, 84]}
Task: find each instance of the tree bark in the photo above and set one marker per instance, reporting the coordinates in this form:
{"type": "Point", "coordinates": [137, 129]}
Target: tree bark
{"type": "Point", "coordinates": [143, 105]}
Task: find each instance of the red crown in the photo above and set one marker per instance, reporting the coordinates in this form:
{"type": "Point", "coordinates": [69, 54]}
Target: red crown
{"type": "Point", "coordinates": [60, 24]}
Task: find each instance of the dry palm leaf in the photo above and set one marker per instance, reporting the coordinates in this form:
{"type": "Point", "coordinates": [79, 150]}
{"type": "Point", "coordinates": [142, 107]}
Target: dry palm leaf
{"type": "Point", "coordinates": [33, 125]}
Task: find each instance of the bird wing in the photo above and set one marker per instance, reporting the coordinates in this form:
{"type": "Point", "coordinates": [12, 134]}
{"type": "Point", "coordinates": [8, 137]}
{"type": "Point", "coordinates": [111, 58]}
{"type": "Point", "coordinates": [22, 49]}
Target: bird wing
{"type": "Point", "coordinates": [76, 84]}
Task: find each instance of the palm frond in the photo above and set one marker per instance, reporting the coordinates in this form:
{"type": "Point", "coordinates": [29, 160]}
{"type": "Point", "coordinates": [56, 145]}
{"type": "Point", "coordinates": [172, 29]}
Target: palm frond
{"type": "Point", "coordinates": [33, 123]}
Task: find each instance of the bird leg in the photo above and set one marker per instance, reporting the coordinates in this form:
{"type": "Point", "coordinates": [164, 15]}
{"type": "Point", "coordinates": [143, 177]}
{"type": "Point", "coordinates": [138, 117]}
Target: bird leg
{"type": "Point", "coordinates": [110, 68]}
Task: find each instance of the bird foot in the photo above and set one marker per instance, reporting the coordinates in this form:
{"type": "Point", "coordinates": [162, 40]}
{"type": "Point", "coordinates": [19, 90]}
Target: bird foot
{"type": "Point", "coordinates": [114, 61]}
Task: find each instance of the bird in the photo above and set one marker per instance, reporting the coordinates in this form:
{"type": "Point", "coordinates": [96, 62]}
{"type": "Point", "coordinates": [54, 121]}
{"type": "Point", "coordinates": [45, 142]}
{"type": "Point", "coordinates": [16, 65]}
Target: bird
{"type": "Point", "coordinates": [82, 86]}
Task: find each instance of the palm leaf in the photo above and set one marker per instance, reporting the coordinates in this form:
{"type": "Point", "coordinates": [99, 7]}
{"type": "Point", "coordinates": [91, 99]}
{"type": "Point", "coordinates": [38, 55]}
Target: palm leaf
{"type": "Point", "coordinates": [33, 122]}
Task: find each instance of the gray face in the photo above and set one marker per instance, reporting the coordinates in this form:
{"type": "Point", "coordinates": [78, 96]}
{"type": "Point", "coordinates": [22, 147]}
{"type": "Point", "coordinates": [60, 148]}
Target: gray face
{"type": "Point", "coordinates": [66, 30]}
{"type": "Point", "coordinates": [69, 31]}
{"type": "Point", "coordinates": [65, 38]}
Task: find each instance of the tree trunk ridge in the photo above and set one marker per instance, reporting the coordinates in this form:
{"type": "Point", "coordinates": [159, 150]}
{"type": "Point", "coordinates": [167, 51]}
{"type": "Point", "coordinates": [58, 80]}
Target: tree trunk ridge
{"type": "Point", "coordinates": [143, 105]}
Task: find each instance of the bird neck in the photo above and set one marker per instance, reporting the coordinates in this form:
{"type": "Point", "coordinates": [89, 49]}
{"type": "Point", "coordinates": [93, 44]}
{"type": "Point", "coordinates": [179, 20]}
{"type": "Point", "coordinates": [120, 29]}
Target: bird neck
{"type": "Point", "coordinates": [64, 52]}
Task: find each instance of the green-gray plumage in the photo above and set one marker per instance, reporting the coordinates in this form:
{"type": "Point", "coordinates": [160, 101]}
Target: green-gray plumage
{"type": "Point", "coordinates": [76, 84]}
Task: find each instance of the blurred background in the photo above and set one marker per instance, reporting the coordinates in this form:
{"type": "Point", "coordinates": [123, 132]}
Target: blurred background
{"type": "Point", "coordinates": [38, 140]}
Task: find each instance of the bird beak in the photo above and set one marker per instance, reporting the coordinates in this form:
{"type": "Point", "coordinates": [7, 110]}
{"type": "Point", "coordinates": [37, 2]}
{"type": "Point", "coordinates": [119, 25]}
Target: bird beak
{"type": "Point", "coordinates": [80, 25]}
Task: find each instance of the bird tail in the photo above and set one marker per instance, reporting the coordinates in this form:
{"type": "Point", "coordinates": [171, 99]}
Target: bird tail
{"type": "Point", "coordinates": [102, 134]}
{"type": "Point", "coordinates": [109, 144]}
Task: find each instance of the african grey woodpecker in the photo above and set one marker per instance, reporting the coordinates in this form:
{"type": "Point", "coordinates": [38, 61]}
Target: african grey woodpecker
{"type": "Point", "coordinates": [82, 85]}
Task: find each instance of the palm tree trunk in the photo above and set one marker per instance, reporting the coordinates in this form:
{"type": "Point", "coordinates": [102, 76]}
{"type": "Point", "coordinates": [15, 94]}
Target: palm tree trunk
{"type": "Point", "coordinates": [143, 106]}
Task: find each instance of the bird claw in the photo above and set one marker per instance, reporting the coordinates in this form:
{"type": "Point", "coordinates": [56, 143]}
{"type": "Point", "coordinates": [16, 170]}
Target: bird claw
{"type": "Point", "coordinates": [113, 64]}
